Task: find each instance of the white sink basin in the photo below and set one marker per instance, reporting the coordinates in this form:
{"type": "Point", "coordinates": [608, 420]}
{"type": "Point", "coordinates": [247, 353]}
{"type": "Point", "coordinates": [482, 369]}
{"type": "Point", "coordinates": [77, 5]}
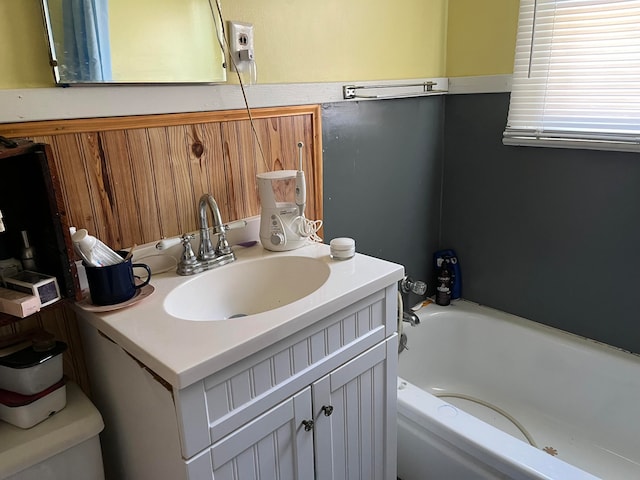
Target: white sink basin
{"type": "Point", "coordinates": [246, 288]}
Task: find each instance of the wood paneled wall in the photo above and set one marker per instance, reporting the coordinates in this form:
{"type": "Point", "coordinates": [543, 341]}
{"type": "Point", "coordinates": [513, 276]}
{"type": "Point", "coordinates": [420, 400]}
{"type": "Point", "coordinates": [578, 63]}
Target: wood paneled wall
{"type": "Point", "coordinates": [134, 180]}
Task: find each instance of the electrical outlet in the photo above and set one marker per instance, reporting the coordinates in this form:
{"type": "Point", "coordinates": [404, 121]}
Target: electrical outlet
{"type": "Point", "coordinates": [240, 41]}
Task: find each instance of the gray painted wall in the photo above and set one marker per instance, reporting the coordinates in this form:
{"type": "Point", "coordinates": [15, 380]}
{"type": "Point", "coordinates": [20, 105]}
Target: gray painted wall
{"type": "Point", "coordinates": [382, 177]}
{"type": "Point", "coordinates": [552, 235]}
{"type": "Point", "coordinates": [549, 234]}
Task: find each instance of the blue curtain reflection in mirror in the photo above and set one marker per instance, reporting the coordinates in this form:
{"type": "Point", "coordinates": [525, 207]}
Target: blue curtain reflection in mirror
{"type": "Point", "coordinates": [87, 55]}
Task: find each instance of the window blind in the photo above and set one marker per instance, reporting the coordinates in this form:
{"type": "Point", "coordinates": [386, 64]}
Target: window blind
{"type": "Point", "coordinates": [576, 80]}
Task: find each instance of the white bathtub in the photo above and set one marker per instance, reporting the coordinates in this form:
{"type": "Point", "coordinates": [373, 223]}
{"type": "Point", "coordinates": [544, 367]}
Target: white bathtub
{"type": "Point", "coordinates": [576, 397]}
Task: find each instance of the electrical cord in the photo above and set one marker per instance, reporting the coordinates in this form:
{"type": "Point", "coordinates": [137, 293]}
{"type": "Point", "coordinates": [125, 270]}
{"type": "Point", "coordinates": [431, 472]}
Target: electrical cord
{"type": "Point", "coordinates": [400, 312]}
{"type": "Point", "coordinates": [222, 40]}
{"type": "Point", "coordinates": [308, 228]}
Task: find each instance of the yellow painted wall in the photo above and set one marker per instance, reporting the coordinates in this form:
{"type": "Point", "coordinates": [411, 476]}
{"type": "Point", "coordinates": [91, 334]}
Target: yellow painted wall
{"type": "Point", "coordinates": [296, 41]}
{"type": "Point", "coordinates": [481, 37]}
{"type": "Point", "coordinates": [192, 53]}
{"type": "Point", "coordinates": [24, 61]}
{"type": "Point", "coordinates": [319, 41]}
{"type": "Point", "coordinates": [334, 40]}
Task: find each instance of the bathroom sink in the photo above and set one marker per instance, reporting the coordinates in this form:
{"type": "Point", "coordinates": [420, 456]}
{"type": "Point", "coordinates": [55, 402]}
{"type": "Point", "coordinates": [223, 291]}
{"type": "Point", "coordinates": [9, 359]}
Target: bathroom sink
{"type": "Point", "coordinates": [246, 288]}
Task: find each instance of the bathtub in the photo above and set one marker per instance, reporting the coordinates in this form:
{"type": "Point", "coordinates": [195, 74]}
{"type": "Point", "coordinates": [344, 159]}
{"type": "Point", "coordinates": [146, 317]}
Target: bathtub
{"type": "Point", "coordinates": [485, 394]}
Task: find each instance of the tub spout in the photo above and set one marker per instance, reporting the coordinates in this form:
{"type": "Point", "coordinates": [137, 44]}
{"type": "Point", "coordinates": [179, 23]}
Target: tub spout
{"type": "Point", "coordinates": [410, 318]}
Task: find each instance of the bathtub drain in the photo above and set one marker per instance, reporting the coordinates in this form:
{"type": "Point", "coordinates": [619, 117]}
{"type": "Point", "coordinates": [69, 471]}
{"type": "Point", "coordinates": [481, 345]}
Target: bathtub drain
{"type": "Point", "coordinates": [498, 410]}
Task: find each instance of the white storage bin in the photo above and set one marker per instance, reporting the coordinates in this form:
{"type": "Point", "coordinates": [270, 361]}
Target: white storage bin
{"type": "Point", "coordinates": [64, 447]}
{"type": "Point", "coordinates": [25, 411]}
{"type": "Point", "coordinates": [28, 371]}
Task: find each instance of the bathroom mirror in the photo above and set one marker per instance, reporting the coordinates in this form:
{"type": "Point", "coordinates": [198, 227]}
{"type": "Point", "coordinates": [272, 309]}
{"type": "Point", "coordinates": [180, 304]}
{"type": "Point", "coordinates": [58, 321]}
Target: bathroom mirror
{"type": "Point", "coordinates": [145, 41]}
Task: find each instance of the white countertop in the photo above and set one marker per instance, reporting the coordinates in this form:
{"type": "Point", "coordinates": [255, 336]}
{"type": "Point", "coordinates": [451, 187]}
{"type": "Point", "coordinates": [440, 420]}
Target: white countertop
{"type": "Point", "coordinates": [185, 351]}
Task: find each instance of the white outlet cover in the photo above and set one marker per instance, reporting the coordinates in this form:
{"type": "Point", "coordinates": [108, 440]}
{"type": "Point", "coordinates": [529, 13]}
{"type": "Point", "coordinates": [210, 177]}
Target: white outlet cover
{"type": "Point", "coordinates": [240, 38]}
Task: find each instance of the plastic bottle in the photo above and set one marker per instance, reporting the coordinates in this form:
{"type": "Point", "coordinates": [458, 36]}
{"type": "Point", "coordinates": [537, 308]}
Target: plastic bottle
{"type": "Point", "coordinates": [454, 267]}
{"type": "Point", "coordinates": [443, 284]}
{"type": "Point", "coordinates": [27, 255]}
{"type": "Point", "coordinates": [93, 251]}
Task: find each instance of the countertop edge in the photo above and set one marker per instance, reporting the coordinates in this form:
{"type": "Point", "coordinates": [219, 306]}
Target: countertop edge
{"type": "Point", "coordinates": [389, 274]}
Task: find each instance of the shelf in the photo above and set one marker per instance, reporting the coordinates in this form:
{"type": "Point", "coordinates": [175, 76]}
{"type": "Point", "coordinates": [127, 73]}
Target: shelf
{"type": "Point", "coordinates": [6, 319]}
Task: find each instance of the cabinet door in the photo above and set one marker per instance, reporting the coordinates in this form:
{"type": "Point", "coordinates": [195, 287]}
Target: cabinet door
{"type": "Point", "coordinates": [355, 417]}
{"type": "Point", "coordinates": [273, 446]}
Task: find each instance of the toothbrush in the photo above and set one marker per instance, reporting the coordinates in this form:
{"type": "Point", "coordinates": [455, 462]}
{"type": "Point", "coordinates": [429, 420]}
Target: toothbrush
{"type": "Point", "coordinates": [301, 189]}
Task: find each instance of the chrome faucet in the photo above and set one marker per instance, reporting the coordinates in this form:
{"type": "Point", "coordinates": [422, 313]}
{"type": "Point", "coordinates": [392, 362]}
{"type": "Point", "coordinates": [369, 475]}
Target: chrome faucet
{"type": "Point", "coordinates": [206, 250]}
{"type": "Point", "coordinates": [208, 256]}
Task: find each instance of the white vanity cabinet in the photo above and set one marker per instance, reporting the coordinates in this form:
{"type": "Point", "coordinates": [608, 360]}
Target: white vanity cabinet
{"type": "Point", "coordinates": [274, 445]}
{"type": "Point", "coordinates": [318, 403]}
{"type": "Point", "coordinates": [344, 436]}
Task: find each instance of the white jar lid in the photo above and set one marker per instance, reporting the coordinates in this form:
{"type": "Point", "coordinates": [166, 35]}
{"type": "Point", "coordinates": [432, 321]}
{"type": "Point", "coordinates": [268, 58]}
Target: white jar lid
{"type": "Point", "coordinates": [342, 243]}
{"type": "Point", "coordinates": [343, 248]}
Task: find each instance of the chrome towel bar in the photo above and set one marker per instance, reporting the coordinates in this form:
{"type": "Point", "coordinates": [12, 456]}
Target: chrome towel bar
{"type": "Point", "coordinates": [350, 91]}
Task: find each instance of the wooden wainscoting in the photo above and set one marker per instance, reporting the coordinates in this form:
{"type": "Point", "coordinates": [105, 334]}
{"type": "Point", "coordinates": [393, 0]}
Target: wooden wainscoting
{"type": "Point", "coordinates": [133, 180]}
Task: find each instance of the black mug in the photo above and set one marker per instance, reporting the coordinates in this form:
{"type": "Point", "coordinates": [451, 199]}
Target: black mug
{"type": "Point", "coordinates": [114, 284]}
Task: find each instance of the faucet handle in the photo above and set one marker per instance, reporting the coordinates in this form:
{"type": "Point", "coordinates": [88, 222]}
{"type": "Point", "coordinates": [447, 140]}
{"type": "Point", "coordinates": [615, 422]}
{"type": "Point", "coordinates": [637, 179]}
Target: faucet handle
{"type": "Point", "coordinates": [408, 284]}
{"type": "Point", "coordinates": [188, 264]}
{"type": "Point", "coordinates": [223, 247]}
{"type": "Point", "coordinates": [166, 243]}
{"type": "Point", "coordinates": [232, 226]}
{"type": "Point", "coordinates": [188, 256]}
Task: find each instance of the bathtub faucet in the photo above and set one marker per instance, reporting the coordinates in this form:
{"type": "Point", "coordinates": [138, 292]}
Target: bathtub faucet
{"type": "Point", "coordinates": [410, 286]}
{"type": "Point", "coordinates": [411, 318]}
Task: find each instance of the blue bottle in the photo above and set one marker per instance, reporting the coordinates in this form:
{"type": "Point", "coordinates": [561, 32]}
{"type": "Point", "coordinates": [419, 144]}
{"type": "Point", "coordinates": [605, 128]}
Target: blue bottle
{"type": "Point", "coordinates": [454, 267]}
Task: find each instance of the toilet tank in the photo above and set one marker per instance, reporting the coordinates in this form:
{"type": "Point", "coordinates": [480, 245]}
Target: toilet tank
{"type": "Point", "coordinates": [66, 446]}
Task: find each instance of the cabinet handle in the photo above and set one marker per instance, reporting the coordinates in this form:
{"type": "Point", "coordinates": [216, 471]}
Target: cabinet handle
{"type": "Point", "coordinates": [327, 410]}
{"type": "Point", "coordinates": [308, 425]}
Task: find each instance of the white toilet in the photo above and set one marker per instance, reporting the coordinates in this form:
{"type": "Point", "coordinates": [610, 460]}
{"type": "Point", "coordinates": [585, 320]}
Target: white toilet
{"type": "Point", "coordinates": [63, 447]}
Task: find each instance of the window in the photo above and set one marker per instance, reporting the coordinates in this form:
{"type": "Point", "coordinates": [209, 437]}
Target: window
{"type": "Point", "coordinates": [576, 80]}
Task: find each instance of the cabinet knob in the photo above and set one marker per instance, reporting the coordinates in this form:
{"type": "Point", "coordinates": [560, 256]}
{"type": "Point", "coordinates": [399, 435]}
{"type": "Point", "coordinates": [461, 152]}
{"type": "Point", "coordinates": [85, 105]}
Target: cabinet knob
{"type": "Point", "coordinates": [308, 425]}
{"type": "Point", "coordinates": [327, 410]}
